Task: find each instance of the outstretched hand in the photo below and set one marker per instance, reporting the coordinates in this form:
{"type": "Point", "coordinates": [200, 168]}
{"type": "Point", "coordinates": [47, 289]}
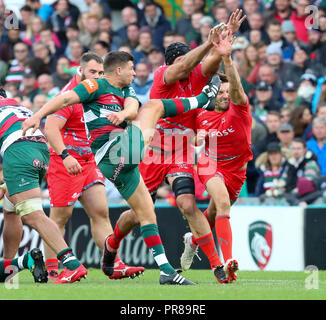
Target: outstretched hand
{"type": "Point", "coordinates": [224, 44]}
{"type": "Point", "coordinates": [235, 21]}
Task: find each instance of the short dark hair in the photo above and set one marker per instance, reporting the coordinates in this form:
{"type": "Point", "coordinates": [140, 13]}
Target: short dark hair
{"type": "Point", "coordinates": [3, 93]}
{"type": "Point", "coordinates": [300, 140]}
{"type": "Point", "coordinates": [103, 44]}
{"type": "Point", "coordinates": [116, 58]}
{"type": "Point", "coordinates": [273, 22]}
{"type": "Point", "coordinates": [88, 56]}
{"type": "Point", "coordinates": [223, 77]}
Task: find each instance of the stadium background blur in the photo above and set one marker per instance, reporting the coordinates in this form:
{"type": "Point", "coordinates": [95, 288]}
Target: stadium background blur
{"type": "Point", "coordinates": [279, 52]}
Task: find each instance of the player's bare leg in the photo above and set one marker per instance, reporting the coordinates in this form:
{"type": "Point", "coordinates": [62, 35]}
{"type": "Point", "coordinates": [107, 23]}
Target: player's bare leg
{"type": "Point", "coordinates": [12, 234]}
{"type": "Point", "coordinates": [94, 202]}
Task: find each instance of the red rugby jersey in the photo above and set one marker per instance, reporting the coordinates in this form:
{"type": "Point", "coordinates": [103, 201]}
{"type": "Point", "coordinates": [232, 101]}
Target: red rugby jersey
{"type": "Point", "coordinates": [229, 135]}
{"type": "Point", "coordinates": [74, 132]}
{"type": "Point", "coordinates": [182, 124]}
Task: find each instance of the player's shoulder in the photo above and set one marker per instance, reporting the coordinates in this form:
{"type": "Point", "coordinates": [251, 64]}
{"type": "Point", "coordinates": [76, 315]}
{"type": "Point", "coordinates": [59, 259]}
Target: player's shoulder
{"type": "Point", "coordinates": [91, 85]}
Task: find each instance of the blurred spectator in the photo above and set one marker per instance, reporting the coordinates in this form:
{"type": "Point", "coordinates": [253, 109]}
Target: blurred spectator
{"type": "Point", "coordinates": [322, 27]}
{"type": "Point", "coordinates": [194, 32]}
{"type": "Point", "coordinates": [258, 132]}
{"type": "Point", "coordinates": [307, 88]}
{"type": "Point", "coordinates": [285, 115]}
{"type": "Point", "coordinates": [39, 101]}
{"type": "Point", "coordinates": [29, 87]}
{"type": "Point", "coordinates": [317, 144]}
{"type": "Point", "coordinates": [266, 74]}
{"type": "Point", "coordinates": [238, 49]}
{"type": "Point", "coordinates": [32, 33]}
{"type": "Point", "coordinates": [60, 77]}
{"type": "Point", "coordinates": [256, 23]}
{"type": "Point", "coordinates": [205, 25]}
{"type": "Point", "coordinates": [290, 95]}
{"type": "Point", "coordinates": [183, 23]}
{"type": "Point", "coordinates": [26, 13]}
{"type": "Point", "coordinates": [106, 37]}
{"type": "Point", "coordinates": [155, 58]}
{"type": "Point", "coordinates": [154, 18]}
{"type": "Point", "coordinates": [299, 17]}
{"type": "Point", "coordinates": [272, 171]}
{"type": "Point", "coordinates": [273, 122]}
{"type": "Point", "coordinates": [293, 70]}
{"type": "Point", "coordinates": [221, 14]}
{"type": "Point", "coordinates": [132, 39]}
{"type": "Point", "coordinates": [261, 49]}
{"type": "Point", "coordinates": [274, 59]}
{"type": "Point", "coordinates": [105, 24]}
{"type": "Point", "coordinates": [321, 111]}
{"type": "Point", "coordinates": [72, 33]}
{"type": "Point", "coordinates": [64, 13]}
{"type": "Point", "coordinates": [16, 66]}
{"type": "Point", "coordinates": [143, 81]}
{"type": "Point", "coordinates": [42, 10]}
{"type": "Point", "coordinates": [46, 86]}
{"type": "Point", "coordinates": [302, 171]}
{"type": "Point", "coordinates": [301, 120]}
{"type": "Point", "coordinates": [168, 38]}
{"type": "Point", "coordinates": [265, 101]}
{"type": "Point", "coordinates": [47, 39]}
{"type": "Point", "coordinates": [289, 34]}
{"type": "Point", "coordinates": [145, 44]}
{"type": "Point", "coordinates": [11, 89]}
{"type": "Point", "coordinates": [282, 11]}
{"type": "Point", "coordinates": [101, 48]}
{"type": "Point", "coordinates": [37, 65]}
{"type": "Point", "coordinates": [76, 50]}
{"type": "Point", "coordinates": [200, 5]}
{"type": "Point", "coordinates": [42, 51]}
{"type": "Point", "coordinates": [250, 61]}
{"type": "Point", "coordinates": [128, 15]}
{"type": "Point", "coordinates": [89, 36]}
{"type": "Point", "coordinates": [285, 134]}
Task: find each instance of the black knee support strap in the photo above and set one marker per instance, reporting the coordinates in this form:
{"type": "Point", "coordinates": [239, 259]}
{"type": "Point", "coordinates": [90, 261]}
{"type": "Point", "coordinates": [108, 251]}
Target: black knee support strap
{"type": "Point", "coordinates": [183, 185]}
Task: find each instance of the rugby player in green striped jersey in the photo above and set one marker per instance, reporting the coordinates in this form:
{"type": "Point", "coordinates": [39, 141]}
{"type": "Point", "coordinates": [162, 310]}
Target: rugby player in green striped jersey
{"type": "Point", "coordinates": [119, 134]}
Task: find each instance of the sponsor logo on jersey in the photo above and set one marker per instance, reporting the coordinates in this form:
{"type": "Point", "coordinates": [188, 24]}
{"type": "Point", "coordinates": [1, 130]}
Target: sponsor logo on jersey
{"type": "Point", "coordinates": [222, 133]}
{"type": "Point", "coordinates": [91, 85]}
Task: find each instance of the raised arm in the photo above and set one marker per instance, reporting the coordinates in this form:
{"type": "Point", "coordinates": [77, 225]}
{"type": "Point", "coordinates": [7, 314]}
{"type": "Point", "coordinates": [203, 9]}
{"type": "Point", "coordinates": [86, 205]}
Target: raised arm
{"type": "Point", "coordinates": [224, 47]}
{"type": "Point", "coordinates": [212, 62]}
{"type": "Point", "coordinates": [55, 104]}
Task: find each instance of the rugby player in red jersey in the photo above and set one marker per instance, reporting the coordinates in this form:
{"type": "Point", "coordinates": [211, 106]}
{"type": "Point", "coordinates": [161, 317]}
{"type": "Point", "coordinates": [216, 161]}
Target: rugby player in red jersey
{"type": "Point", "coordinates": [169, 156]}
{"type": "Point", "coordinates": [222, 165]}
{"type": "Point", "coordinates": [70, 149]}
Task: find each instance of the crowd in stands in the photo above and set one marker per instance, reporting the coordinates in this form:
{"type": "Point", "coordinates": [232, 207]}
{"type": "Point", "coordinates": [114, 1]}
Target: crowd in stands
{"type": "Point", "coordinates": [280, 53]}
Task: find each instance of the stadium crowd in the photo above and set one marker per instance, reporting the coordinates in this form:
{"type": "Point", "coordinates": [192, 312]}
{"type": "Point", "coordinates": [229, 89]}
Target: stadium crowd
{"type": "Point", "coordinates": [279, 53]}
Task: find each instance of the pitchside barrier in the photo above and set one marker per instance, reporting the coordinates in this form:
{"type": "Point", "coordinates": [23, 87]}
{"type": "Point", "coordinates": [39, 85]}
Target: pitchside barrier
{"type": "Point", "coordinates": [270, 238]}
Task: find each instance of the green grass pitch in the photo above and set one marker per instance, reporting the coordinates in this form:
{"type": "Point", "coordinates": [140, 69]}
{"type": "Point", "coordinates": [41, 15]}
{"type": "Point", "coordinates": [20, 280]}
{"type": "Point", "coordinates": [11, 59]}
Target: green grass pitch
{"type": "Point", "coordinates": [251, 285]}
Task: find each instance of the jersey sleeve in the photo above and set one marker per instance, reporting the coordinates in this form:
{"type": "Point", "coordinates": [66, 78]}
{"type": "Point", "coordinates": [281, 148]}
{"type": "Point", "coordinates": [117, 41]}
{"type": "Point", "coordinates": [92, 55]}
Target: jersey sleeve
{"type": "Point", "coordinates": [130, 93]}
{"type": "Point", "coordinates": [64, 113]}
{"type": "Point", "coordinates": [242, 107]}
{"type": "Point", "coordinates": [88, 90]}
{"type": "Point", "coordinates": [159, 86]}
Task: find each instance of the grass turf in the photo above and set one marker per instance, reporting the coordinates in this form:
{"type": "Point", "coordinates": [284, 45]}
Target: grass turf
{"type": "Point", "coordinates": [251, 285]}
